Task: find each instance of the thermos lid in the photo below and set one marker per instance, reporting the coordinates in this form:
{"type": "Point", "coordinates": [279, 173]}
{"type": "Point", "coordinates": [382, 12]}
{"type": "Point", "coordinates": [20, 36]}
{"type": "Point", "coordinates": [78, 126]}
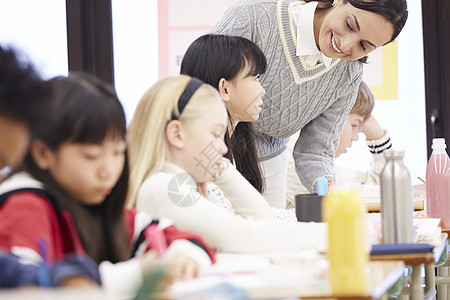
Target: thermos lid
{"type": "Point", "coordinates": [394, 153]}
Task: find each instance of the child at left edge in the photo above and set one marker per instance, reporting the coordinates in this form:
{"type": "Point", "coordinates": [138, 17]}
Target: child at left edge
{"type": "Point", "coordinates": [65, 205]}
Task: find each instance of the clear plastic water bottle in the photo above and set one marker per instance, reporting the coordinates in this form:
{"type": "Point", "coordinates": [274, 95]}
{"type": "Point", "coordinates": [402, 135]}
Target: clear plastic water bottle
{"type": "Point", "coordinates": [438, 183]}
{"type": "Point", "coordinates": [396, 200]}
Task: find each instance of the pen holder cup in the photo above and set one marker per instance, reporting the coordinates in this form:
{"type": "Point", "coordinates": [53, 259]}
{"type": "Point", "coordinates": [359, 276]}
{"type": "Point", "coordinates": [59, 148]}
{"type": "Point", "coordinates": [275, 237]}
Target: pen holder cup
{"type": "Point", "coordinates": [308, 207]}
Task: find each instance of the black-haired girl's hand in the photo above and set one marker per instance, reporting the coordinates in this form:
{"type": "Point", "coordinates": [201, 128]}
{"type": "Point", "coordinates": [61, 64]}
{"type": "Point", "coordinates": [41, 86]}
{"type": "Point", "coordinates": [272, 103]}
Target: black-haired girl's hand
{"type": "Point", "coordinates": [202, 189]}
{"type": "Point", "coordinates": [219, 168]}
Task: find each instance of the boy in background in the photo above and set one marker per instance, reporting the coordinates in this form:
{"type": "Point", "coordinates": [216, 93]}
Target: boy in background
{"type": "Point", "coordinates": [23, 98]}
{"type": "Point", "coordinates": [360, 119]}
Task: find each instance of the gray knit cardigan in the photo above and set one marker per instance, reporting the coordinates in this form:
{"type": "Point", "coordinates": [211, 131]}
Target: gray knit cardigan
{"type": "Point", "coordinates": [315, 100]}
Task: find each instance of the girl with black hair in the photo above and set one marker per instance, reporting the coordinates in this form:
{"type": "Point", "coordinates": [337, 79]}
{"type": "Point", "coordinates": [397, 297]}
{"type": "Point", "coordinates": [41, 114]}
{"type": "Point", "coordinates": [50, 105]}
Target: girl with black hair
{"type": "Point", "coordinates": [233, 65]}
{"type": "Point", "coordinates": [67, 200]}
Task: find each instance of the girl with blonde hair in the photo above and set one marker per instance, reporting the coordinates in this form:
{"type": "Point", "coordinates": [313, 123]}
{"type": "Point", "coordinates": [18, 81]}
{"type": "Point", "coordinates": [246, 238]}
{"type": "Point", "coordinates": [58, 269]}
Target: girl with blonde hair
{"type": "Point", "coordinates": [176, 145]}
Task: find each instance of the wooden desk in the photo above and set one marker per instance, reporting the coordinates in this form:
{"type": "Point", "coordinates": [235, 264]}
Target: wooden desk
{"type": "Point", "coordinates": [287, 282]}
{"type": "Point", "coordinates": [445, 230]}
{"type": "Point", "coordinates": [383, 275]}
{"type": "Point", "coordinates": [428, 260]}
{"type": "Point", "coordinates": [374, 206]}
{"type": "Point", "coordinates": [443, 279]}
{"type": "Point", "coordinates": [56, 294]}
{"type": "Point", "coordinates": [371, 197]}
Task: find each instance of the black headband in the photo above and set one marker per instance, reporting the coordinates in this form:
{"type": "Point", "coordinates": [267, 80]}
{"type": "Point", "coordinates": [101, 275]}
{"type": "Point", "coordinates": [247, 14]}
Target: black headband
{"type": "Point", "coordinates": [190, 89]}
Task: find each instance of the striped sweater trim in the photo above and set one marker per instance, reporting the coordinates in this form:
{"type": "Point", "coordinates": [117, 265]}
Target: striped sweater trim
{"type": "Point", "coordinates": [288, 40]}
{"type": "Point", "coordinates": [381, 149]}
{"type": "Point", "coordinates": [380, 145]}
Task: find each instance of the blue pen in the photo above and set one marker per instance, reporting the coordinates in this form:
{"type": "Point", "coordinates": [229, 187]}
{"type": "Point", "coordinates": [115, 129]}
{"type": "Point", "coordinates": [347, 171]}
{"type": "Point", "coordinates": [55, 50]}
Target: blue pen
{"type": "Point", "coordinates": [43, 269]}
{"type": "Point", "coordinates": [322, 186]}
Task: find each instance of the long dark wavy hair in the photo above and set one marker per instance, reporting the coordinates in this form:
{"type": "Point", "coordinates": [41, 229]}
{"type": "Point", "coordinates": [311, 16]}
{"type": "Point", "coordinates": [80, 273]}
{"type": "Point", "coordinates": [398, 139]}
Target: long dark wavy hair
{"type": "Point", "coordinates": [396, 11]}
{"type": "Point", "coordinates": [86, 110]}
{"type": "Point", "coordinates": [212, 57]}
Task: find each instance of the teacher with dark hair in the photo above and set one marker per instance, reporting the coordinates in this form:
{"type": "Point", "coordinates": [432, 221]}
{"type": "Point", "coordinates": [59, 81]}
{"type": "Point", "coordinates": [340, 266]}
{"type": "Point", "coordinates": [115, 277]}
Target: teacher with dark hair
{"type": "Point", "coordinates": [315, 52]}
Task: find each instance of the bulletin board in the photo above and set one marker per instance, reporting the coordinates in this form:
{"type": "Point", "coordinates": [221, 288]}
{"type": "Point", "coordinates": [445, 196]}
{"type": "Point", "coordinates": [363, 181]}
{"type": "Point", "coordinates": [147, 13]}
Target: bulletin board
{"type": "Point", "coordinates": [180, 22]}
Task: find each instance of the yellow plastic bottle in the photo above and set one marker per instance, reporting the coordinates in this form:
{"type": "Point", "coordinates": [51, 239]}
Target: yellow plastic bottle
{"type": "Point", "coordinates": [347, 245]}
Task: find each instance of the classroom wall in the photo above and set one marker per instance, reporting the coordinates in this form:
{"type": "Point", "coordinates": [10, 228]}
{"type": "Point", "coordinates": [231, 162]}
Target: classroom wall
{"type": "Point", "coordinates": [40, 31]}
{"type": "Point", "coordinates": [405, 116]}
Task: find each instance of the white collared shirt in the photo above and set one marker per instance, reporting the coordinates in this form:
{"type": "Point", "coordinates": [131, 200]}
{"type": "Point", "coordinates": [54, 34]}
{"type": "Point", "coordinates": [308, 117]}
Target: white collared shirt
{"type": "Point", "coordinates": [303, 16]}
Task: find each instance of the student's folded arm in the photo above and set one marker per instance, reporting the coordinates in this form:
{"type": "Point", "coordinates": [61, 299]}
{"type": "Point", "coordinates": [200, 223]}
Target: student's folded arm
{"type": "Point", "coordinates": [377, 148]}
{"type": "Point", "coordinates": [226, 231]}
{"type": "Point", "coordinates": [244, 198]}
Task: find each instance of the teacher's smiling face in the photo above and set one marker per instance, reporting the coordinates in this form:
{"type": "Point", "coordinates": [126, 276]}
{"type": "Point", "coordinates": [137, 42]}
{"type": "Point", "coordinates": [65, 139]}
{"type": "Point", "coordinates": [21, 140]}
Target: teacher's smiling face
{"type": "Point", "coordinates": [350, 33]}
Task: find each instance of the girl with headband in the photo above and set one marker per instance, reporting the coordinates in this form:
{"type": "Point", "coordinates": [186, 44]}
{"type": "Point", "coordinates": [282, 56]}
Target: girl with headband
{"type": "Point", "coordinates": [176, 145]}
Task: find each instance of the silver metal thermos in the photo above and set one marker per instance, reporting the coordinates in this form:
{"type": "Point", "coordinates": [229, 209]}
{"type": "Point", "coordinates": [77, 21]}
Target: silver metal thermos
{"type": "Point", "coordinates": [396, 200]}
